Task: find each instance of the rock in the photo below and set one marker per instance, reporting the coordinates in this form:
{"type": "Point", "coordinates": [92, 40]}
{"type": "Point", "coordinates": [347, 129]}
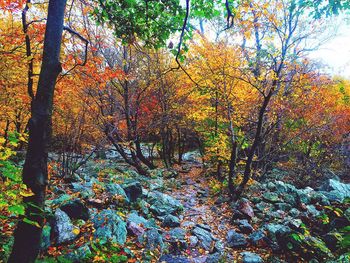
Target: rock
{"type": "Point", "coordinates": [75, 209]}
{"type": "Point", "coordinates": [109, 225]}
{"type": "Point", "coordinates": [219, 246]}
{"type": "Point", "coordinates": [193, 241]}
{"type": "Point", "coordinates": [156, 184]}
{"type": "Point", "coordinates": [249, 257]}
{"type": "Point", "coordinates": [171, 221]}
{"type": "Point", "coordinates": [64, 230]}
{"type": "Point", "coordinates": [236, 240]}
{"type": "Point", "coordinates": [347, 214]}
{"type": "Point", "coordinates": [79, 255]}
{"type": "Point", "coordinates": [244, 226]}
{"type": "Point", "coordinates": [290, 199]}
{"type": "Point", "coordinates": [257, 238]}
{"type": "Point", "coordinates": [154, 240]}
{"type": "Point", "coordinates": [163, 204]}
{"type": "Point", "coordinates": [45, 237]}
{"type": "Point", "coordinates": [204, 237]}
{"type": "Point", "coordinates": [245, 208]}
{"type": "Point", "coordinates": [175, 234]}
{"type": "Point", "coordinates": [173, 259]}
{"type": "Point", "coordinates": [214, 258]}
{"type": "Point", "coordinates": [133, 217]}
{"type": "Point", "coordinates": [271, 197]}
{"type": "Point", "coordinates": [263, 207]}
{"type": "Point", "coordinates": [192, 157]}
{"type": "Point", "coordinates": [204, 226]}
{"type": "Point", "coordinates": [133, 190]}
{"type": "Point", "coordinates": [116, 190]}
{"type": "Point", "coordinates": [283, 207]}
{"type": "Point", "coordinates": [59, 201]}
{"type": "Point", "coordinates": [275, 231]}
{"type": "Point", "coordinates": [335, 190]}
{"type": "Point", "coordinates": [169, 173]}
{"type": "Point", "coordinates": [84, 190]}
{"type": "Point", "coordinates": [311, 209]}
{"type": "Point", "coordinates": [135, 229]}
{"type": "Point", "coordinates": [294, 212]}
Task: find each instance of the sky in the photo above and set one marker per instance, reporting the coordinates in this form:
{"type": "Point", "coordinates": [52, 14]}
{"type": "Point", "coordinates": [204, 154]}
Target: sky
{"type": "Point", "coordinates": [336, 52]}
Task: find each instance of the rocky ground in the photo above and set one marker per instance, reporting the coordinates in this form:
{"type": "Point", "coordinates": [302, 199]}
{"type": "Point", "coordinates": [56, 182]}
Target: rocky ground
{"type": "Point", "coordinates": [109, 213]}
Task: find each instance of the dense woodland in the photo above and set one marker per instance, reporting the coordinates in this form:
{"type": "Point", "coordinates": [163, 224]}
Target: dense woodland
{"type": "Point", "coordinates": [172, 131]}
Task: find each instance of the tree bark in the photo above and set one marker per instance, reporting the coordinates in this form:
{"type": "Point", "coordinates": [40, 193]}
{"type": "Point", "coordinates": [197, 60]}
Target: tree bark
{"type": "Point", "coordinates": [27, 236]}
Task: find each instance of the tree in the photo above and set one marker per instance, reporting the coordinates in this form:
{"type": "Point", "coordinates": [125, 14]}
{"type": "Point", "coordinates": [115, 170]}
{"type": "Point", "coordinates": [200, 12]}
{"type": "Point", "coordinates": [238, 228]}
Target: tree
{"type": "Point", "coordinates": [28, 233]}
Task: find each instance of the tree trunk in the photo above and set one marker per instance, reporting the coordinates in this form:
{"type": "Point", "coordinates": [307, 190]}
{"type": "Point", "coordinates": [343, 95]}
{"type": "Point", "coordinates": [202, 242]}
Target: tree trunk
{"type": "Point", "coordinates": [27, 236]}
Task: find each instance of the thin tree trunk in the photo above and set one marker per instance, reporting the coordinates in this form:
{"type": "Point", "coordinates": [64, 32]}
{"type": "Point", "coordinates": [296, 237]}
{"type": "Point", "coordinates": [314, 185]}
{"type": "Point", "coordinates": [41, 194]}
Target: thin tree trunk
{"type": "Point", "coordinates": [27, 236]}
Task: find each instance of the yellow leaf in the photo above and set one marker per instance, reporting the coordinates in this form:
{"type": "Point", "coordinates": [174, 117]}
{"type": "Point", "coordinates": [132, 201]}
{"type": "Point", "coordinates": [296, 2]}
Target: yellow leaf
{"type": "Point", "coordinates": [76, 231]}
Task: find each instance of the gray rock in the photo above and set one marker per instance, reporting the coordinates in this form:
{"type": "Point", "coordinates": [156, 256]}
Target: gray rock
{"type": "Point", "coordinates": [163, 204]}
{"type": "Point", "coordinates": [109, 225]}
{"type": "Point", "coordinates": [274, 231]}
{"type": "Point", "coordinates": [79, 255]}
{"type": "Point", "coordinates": [133, 190]}
{"type": "Point", "coordinates": [249, 257]}
{"type": "Point", "coordinates": [63, 228]}
{"type": "Point", "coordinates": [133, 217]}
{"type": "Point", "coordinates": [283, 206]}
{"type": "Point", "coordinates": [236, 240]}
{"type": "Point", "coordinates": [84, 190]}
{"type": "Point", "coordinates": [204, 236]}
{"type": "Point", "coordinates": [244, 226]}
{"type": "Point", "coordinates": [171, 221]}
{"type": "Point", "coordinates": [193, 241]}
{"type": "Point", "coordinates": [214, 258]}
{"type": "Point", "coordinates": [271, 197]}
{"type": "Point", "coordinates": [193, 157]}
{"type": "Point", "coordinates": [256, 237]}
{"type": "Point", "coordinates": [263, 207]}
{"type": "Point", "coordinates": [135, 229]}
{"type": "Point", "coordinates": [75, 209]}
{"type": "Point", "coordinates": [45, 237]}
{"type": "Point", "coordinates": [294, 212]}
{"type": "Point", "coordinates": [335, 190]}
{"type": "Point", "coordinates": [311, 209]}
{"type": "Point", "coordinates": [116, 190]}
{"type": "Point", "coordinates": [174, 259]}
{"type": "Point", "coordinates": [154, 240]}
{"type": "Point", "coordinates": [175, 234]}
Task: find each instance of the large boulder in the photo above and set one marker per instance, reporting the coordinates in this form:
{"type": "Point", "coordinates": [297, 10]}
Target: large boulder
{"type": "Point", "coordinates": [64, 230]}
{"type": "Point", "coordinates": [117, 192]}
{"type": "Point", "coordinates": [204, 236]}
{"type": "Point", "coordinates": [335, 190]}
{"type": "Point", "coordinates": [236, 240]}
{"type": "Point", "coordinates": [171, 221]}
{"type": "Point", "coordinates": [249, 257]}
{"type": "Point", "coordinates": [109, 226]}
{"type": "Point", "coordinates": [133, 190]}
{"type": "Point", "coordinates": [163, 204]}
{"type": "Point", "coordinates": [75, 209]}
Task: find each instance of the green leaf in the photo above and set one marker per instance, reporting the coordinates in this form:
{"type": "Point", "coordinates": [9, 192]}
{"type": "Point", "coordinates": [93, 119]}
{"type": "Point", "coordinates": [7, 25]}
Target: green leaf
{"type": "Point", "coordinates": [17, 209]}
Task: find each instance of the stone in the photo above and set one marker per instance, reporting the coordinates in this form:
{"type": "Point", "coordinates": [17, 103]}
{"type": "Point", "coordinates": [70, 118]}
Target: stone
{"type": "Point", "coordinates": [109, 226]}
{"type": "Point", "coordinates": [311, 210]}
{"type": "Point", "coordinates": [45, 237]}
{"type": "Point", "coordinates": [205, 227]}
{"type": "Point", "coordinates": [249, 257]}
{"type": "Point", "coordinates": [154, 240]}
{"type": "Point", "coordinates": [135, 229]}
{"type": "Point", "coordinates": [80, 254]}
{"type": "Point", "coordinates": [173, 259]}
{"type": "Point", "coordinates": [193, 241]}
{"type": "Point", "coordinates": [263, 207]}
{"type": "Point", "coordinates": [290, 199]}
{"type": "Point", "coordinates": [163, 204]}
{"type": "Point", "coordinates": [294, 212]}
{"type": "Point", "coordinates": [133, 190]}
{"type": "Point", "coordinates": [64, 230]}
{"type": "Point", "coordinates": [204, 236]}
{"type": "Point", "coordinates": [336, 190]}
{"type": "Point", "coordinates": [246, 208]}
{"type": "Point", "coordinates": [171, 221]}
{"type": "Point", "coordinates": [133, 217]}
{"type": "Point", "coordinates": [117, 191]}
{"type": "Point", "coordinates": [244, 226]}
{"type": "Point", "coordinates": [84, 190]}
{"type": "Point", "coordinates": [236, 240]}
{"type": "Point", "coordinates": [192, 157]}
{"type": "Point", "coordinates": [275, 231]}
{"type": "Point", "coordinates": [271, 197]}
{"type": "Point", "coordinates": [175, 234]}
{"type": "Point", "coordinates": [214, 258]}
{"type": "Point", "coordinates": [283, 206]}
{"type": "Point", "coordinates": [257, 238]}
{"type": "Point", "coordinates": [75, 209]}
